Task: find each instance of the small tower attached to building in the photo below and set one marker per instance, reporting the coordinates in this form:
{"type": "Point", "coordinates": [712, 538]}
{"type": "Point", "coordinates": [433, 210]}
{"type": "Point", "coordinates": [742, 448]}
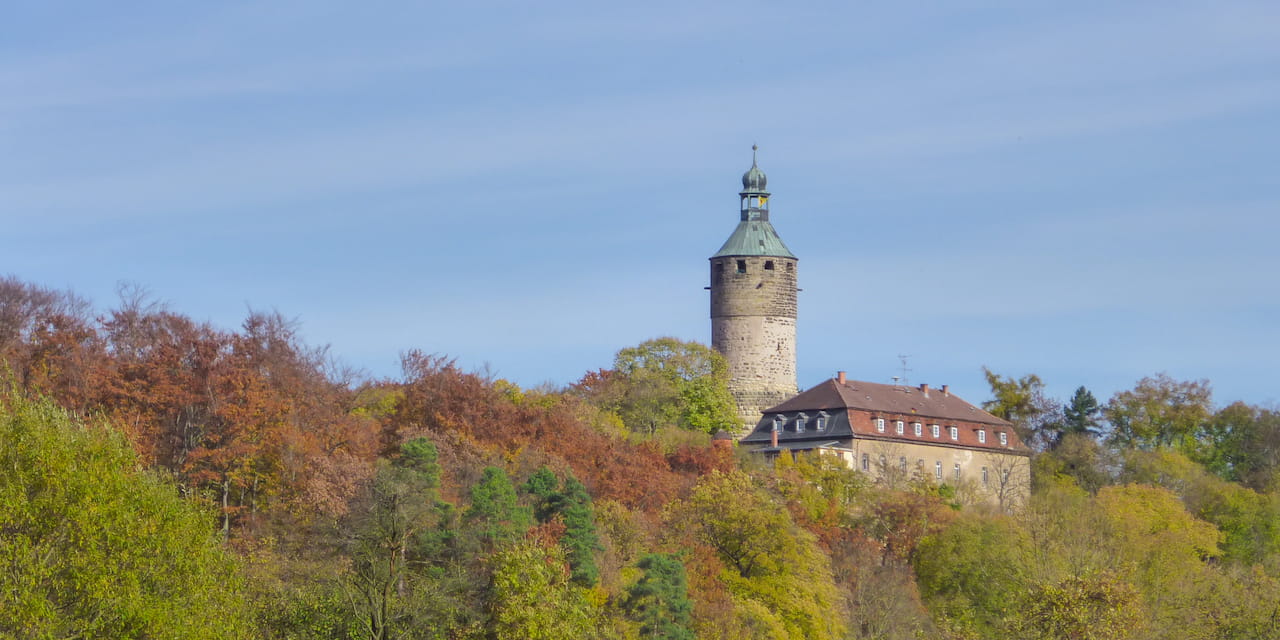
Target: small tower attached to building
{"type": "Point", "coordinates": [753, 305]}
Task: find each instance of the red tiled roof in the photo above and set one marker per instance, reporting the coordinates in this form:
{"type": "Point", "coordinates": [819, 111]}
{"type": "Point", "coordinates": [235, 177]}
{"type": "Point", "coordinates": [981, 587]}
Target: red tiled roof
{"type": "Point", "coordinates": [862, 402]}
{"type": "Point", "coordinates": [870, 396]}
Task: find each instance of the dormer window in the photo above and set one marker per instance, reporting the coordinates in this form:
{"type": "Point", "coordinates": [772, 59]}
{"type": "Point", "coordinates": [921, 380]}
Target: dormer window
{"type": "Point", "coordinates": [800, 422]}
{"type": "Point", "coordinates": [1004, 439]}
{"type": "Point", "coordinates": [934, 429]}
{"type": "Point", "coordinates": [897, 427]}
{"type": "Point", "coordinates": [982, 436]}
{"type": "Point", "coordinates": [879, 424]}
{"type": "Point", "coordinates": [917, 428]}
{"type": "Point", "coordinates": [821, 423]}
{"type": "Point", "coordinates": [778, 421]}
{"type": "Point", "coordinates": [955, 433]}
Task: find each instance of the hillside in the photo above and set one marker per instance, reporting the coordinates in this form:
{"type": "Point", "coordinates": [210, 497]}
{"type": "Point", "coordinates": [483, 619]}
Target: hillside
{"type": "Point", "coordinates": [242, 476]}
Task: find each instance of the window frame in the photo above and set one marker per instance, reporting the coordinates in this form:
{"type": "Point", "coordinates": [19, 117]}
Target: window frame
{"type": "Point", "coordinates": [954, 432]}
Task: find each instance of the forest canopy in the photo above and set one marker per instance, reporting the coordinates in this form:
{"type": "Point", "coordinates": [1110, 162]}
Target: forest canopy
{"type": "Point", "coordinates": [163, 477]}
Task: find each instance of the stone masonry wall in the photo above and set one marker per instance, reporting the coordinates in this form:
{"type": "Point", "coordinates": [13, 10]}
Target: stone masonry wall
{"type": "Point", "coordinates": [753, 325]}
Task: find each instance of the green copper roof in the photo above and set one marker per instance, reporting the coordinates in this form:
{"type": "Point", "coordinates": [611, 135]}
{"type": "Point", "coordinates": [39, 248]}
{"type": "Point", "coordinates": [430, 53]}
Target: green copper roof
{"type": "Point", "coordinates": [754, 238]}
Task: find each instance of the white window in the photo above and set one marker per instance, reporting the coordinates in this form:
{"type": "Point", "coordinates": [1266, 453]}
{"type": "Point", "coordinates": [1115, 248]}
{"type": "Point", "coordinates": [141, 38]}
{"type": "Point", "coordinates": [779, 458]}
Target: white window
{"type": "Point", "coordinates": [957, 472]}
{"type": "Point", "coordinates": [982, 436]}
{"type": "Point", "coordinates": [902, 462]}
{"type": "Point", "coordinates": [800, 420]}
{"type": "Point", "coordinates": [937, 469]}
{"type": "Point", "coordinates": [984, 476]}
{"type": "Point", "coordinates": [918, 428]}
{"type": "Point", "coordinates": [955, 433]}
{"type": "Point", "coordinates": [1004, 439]}
{"type": "Point", "coordinates": [897, 427]}
{"type": "Point", "coordinates": [884, 464]}
{"type": "Point", "coordinates": [821, 423]}
{"type": "Point", "coordinates": [778, 421]}
{"type": "Point", "coordinates": [866, 462]}
{"type": "Point", "coordinates": [880, 425]}
{"type": "Point", "coordinates": [934, 429]}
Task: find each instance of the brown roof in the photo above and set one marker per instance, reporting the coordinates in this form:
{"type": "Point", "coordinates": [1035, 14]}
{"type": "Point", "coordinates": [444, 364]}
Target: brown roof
{"type": "Point", "coordinates": [870, 396]}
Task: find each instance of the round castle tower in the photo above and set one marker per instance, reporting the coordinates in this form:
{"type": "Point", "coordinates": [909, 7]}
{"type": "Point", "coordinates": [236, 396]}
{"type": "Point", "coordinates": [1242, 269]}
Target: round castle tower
{"type": "Point", "coordinates": [753, 305]}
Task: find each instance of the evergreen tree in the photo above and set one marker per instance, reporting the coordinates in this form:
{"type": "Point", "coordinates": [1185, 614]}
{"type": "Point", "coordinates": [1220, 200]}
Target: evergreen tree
{"type": "Point", "coordinates": [494, 514]}
{"type": "Point", "coordinates": [573, 505]}
{"type": "Point", "coordinates": [1081, 414]}
{"type": "Point", "coordinates": [545, 486]}
{"type": "Point", "coordinates": [659, 601]}
{"type": "Point", "coordinates": [580, 540]}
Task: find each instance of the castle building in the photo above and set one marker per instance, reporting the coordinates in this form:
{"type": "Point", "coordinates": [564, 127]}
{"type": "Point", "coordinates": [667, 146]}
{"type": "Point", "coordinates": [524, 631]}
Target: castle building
{"type": "Point", "coordinates": [899, 433]}
{"type": "Point", "coordinates": [896, 433]}
{"type": "Point", "coordinates": [753, 305]}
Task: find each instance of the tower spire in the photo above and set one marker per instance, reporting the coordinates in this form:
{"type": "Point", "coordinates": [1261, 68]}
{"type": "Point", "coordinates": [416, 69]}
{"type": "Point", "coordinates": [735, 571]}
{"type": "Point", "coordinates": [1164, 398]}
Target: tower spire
{"type": "Point", "coordinates": [753, 304]}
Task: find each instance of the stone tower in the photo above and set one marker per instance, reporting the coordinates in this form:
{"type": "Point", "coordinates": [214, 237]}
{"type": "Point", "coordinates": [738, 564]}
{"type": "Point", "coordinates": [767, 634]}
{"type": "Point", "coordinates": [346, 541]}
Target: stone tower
{"type": "Point", "coordinates": [753, 305]}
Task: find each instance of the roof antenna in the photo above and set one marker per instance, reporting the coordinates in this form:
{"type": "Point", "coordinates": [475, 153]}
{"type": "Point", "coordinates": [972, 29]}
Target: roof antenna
{"type": "Point", "coordinates": [903, 359]}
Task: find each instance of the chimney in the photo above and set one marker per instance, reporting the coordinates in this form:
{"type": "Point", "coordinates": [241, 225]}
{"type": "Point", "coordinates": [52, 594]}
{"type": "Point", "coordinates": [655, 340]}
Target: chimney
{"type": "Point", "coordinates": [773, 440]}
{"type": "Point", "coordinates": [944, 391]}
{"type": "Point", "coordinates": [840, 377]}
{"type": "Point", "coordinates": [924, 390]}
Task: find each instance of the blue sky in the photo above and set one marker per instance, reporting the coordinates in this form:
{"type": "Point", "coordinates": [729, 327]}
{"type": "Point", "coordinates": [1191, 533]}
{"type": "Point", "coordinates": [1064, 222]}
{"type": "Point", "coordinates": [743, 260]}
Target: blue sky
{"type": "Point", "coordinates": [1086, 191]}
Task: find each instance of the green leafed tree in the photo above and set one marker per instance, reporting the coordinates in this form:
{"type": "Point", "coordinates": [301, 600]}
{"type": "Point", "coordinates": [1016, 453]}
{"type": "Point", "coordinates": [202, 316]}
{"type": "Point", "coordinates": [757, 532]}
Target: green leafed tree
{"type": "Point", "coordinates": [91, 547]}
{"type": "Point", "coordinates": [533, 599]}
{"type": "Point", "coordinates": [665, 382]}
{"type": "Point", "coordinates": [659, 601]}
{"type": "Point", "coordinates": [1161, 412]}
{"type": "Point", "coordinates": [400, 504]}
{"type": "Point", "coordinates": [770, 560]}
{"type": "Point", "coordinates": [1022, 401]}
{"type": "Point", "coordinates": [1099, 606]}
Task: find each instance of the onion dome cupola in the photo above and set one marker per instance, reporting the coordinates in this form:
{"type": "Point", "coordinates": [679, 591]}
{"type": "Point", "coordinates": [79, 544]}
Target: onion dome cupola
{"type": "Point", "coordinates": [755, 235]}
